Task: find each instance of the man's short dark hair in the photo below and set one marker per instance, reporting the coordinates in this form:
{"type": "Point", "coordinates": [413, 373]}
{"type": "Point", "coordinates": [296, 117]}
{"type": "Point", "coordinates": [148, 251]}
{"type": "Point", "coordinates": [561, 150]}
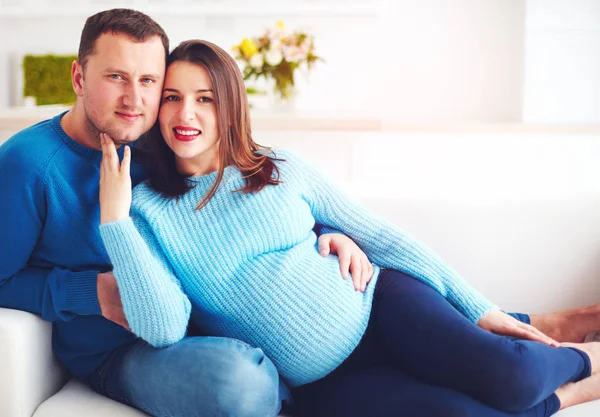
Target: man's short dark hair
{"type": "Point", "coordinates": [137, 25]}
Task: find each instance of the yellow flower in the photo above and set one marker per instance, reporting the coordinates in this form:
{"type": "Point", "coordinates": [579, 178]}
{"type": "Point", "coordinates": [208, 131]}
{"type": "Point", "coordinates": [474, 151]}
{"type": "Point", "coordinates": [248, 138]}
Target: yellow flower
{"type": "Point", "coordinates": [280, 25]}
{"type": "Point", "coordinates": [248, 47]}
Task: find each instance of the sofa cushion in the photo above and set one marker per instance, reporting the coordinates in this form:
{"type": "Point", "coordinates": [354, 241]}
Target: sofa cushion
{"type": "Point", "coordinates": [591, 409]}
{"type": "Point", "coordinates": [77, 400]}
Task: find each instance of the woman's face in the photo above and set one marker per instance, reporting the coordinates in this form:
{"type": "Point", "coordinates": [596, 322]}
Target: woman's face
{"type": "Point", "coordinates": [188, 118]}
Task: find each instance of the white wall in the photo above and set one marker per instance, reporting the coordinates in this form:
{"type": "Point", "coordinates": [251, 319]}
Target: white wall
{"type": "Point", "coordinates": [331, 86]}
{"type": "Point", "coordinates": [456, 61]}
{"type": "Point", "coordinates": [426, 61]}
{"type": "Point", "coordinates": [562, 68]}
{"type": "Point", "coordinates": [422, 61]}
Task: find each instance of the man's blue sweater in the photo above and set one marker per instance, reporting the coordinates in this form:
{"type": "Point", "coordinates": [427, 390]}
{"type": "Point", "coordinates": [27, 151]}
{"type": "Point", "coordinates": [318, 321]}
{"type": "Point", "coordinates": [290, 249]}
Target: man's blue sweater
{"type": "Point", "coordinates": [50, 247]}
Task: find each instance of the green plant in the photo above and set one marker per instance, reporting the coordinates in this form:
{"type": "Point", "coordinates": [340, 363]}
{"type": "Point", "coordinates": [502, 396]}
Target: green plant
{"type": "Point", "coordinates": [48, 78]}
{"type": "Point", "coordinates": [277, 54]}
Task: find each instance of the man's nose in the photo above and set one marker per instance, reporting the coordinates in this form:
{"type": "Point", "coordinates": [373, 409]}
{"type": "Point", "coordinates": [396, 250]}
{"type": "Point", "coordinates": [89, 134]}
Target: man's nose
{"type": "Point", "coordinates": [132, 98]}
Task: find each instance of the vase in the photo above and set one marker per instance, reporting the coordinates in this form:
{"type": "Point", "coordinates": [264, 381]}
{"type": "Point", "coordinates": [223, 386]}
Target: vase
{"type": "Point", "coordinates": [284, 104]}
{"type": "Point", "coordinates": [284, 89]}
{"type": "Point", "coordinates": [268, 96]}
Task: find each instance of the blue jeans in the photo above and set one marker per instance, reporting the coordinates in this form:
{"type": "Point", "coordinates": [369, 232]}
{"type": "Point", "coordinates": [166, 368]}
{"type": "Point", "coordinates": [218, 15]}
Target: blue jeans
{"type": "Point", "coordinates": [198, 376]}
{"type": "Point", "coordinates": [421, 358]}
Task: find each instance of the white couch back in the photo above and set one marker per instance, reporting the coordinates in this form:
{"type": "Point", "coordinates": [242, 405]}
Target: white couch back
{"type": "Point", "coordinates": [516, 213]}
{"type": "Point", "coordinates": [532, 256]}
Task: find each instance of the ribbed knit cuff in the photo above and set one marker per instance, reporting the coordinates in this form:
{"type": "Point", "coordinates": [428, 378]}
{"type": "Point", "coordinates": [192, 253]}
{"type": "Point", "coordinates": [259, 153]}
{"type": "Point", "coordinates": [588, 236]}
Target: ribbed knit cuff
{"type": "Point", "coordinates": [121, 240]}
{"type": "Point", "coordinates": [475, 309]}
{"type": "Point", "coordinates": [327, 229]}
{"type": "Point", "coordinates": [81, 291]}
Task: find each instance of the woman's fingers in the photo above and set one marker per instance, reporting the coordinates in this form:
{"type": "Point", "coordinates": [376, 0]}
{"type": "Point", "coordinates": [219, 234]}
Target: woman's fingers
{"type": "Point", "coordinates": [356, 272]}
{"type": "Point", "coordinates": [110, 157]}
{"type": "Point", "coordinates": [539, 336]}
{"type": "Point", "coordinates": [364, 276]}
{"type": "Point", "coordinates": [344, 265]}
{"type": "Point", "coordinates": [109, 152]}
{"type": "Point", "coordinates": [126, 164]}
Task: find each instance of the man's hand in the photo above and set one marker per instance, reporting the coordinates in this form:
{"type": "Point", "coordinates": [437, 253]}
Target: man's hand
{"type": "Point", "coordinates": [503, 324]}
{"type": "Point", "coordinates": [351, 258]}
{"type": "Point", "coordinates": [115, 182]}
{"type": "Point", "coordinates": [110, 299]}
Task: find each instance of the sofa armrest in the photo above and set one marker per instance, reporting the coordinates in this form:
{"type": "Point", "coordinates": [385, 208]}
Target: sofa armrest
{"type": "Point", "coordinates": [29, 371]}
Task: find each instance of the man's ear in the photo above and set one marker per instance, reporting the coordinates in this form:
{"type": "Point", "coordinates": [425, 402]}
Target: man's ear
{"type": "Point", "coordinates": [77, 78]}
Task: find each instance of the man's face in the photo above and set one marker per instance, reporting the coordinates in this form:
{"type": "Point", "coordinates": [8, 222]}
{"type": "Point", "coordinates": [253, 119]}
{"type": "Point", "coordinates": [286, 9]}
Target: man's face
{"type": "Point", "coordinates": [122, 85]}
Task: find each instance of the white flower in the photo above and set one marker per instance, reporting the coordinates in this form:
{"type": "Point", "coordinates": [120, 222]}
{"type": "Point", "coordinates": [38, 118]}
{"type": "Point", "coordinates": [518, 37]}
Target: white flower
{"type": "Point", "coordinates": [305, 46]}
{"type": "Point", "coordinates": [257, 60]}
{"type": "Point", "coordinates": [276, 45]}
{"type": "Point", "coordinates": [294, 54]}
{"type": "Point", "coordinates": [273, 57]}
{"type": "Point", "coordinates": [277, 33]}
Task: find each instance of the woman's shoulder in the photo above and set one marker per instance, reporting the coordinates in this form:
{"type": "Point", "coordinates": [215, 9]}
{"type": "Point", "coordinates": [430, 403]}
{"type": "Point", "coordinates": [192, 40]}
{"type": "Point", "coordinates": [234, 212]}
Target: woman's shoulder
{"type": "Point", "coordinates": [279, 153]}
{"type": "Point", "coordinates": [286, 159]}
{"type": "Point", "coordinates": [147, 201]}
{"type": "Point", "coordinates": [143, 190]}
{"type": "Point", "coordinates": [292, 164]}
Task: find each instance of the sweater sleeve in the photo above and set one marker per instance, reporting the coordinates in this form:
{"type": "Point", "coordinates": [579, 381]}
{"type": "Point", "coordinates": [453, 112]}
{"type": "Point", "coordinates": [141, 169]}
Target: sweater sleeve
{"type": "Point", "coordinates": [323, 229]}
{"type": "Point", "coordinates": [57, 294]}
{"type": "Point", "coordinates": [155, 306]}
{"type": "Point", "coordinates": [384, 243]}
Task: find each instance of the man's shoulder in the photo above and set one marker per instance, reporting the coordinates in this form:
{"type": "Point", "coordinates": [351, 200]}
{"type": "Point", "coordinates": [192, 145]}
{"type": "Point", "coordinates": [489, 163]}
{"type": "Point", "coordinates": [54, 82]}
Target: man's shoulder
{"type": "Point", "coordinates": [30, 148]}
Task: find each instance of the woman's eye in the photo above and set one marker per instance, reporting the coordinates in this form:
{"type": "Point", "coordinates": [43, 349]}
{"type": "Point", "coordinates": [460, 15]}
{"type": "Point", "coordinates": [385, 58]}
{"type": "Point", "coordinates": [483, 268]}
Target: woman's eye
{"type": "Point", "coordinates": [171, 98]}
{"type": "Point", "coordinates": [205, 100]}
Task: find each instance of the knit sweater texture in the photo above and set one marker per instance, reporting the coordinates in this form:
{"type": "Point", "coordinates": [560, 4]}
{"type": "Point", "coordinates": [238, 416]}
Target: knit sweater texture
{"type": "Point", "coordinates": [249, 265]}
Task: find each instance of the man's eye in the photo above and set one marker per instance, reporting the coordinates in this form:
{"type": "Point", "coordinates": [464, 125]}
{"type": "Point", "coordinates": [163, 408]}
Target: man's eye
{"type": "Point", "coordinates": [115, 76]}
{"type": "Point", "coordinates": [147, 80]}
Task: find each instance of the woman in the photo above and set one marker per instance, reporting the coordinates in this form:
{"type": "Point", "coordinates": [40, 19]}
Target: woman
{"type": "Point", "coordinates": [227, 225]}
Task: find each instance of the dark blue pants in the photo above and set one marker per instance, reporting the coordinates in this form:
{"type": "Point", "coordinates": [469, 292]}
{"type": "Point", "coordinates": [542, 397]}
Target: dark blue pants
{"type": "Point", "coordinates": [421, 358]}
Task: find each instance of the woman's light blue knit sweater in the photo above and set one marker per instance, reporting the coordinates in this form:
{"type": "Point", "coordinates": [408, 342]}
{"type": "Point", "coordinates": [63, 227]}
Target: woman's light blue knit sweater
{"type": "Point", "coordinates": [249, 264]}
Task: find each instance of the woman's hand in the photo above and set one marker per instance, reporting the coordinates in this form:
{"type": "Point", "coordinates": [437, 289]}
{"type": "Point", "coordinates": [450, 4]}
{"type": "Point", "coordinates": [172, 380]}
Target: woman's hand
{"type": "Point", "coordinates": [115, 182]}
{"type": "Point", "coordinates": [501, 323]}
{"type": "Point", "coordinates": [351, 258]}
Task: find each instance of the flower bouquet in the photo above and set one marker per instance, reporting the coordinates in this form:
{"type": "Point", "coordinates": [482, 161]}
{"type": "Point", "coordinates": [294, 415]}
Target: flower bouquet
{"type": "Point", "coordinates": [276, 55]}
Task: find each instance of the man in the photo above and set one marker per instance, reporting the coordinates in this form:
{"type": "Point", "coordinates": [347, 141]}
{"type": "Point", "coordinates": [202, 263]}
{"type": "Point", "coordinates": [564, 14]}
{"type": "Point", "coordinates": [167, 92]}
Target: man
{"type": "Point", "coordinates": [53, 263]}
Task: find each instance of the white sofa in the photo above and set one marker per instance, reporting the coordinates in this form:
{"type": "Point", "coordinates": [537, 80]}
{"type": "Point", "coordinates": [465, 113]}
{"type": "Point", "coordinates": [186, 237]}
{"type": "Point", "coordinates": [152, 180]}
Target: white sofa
{"type": "Point", "coordinates": [518, 217]}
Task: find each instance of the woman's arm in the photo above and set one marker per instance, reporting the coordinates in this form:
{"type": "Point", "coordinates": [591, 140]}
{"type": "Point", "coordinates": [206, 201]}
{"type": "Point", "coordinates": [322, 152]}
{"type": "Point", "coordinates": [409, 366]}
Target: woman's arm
{"type": "Point", "coordinates": [385, 244]}
{"type": "Point", "coordinates": [155, 306]}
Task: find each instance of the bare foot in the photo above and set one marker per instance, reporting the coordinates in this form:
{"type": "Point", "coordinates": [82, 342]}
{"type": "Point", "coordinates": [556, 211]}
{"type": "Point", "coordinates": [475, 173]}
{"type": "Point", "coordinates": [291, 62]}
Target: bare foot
{"type": "Point", "coordinates": [574, 393]}
{"type": "Point", "coordinates": [568, 325]}
{"type": "Point", "coordinates": [593, 351]}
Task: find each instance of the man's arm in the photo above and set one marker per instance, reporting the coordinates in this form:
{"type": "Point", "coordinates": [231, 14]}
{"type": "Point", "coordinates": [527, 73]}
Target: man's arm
{"type": "Point", "coordinates": [57, 294]}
